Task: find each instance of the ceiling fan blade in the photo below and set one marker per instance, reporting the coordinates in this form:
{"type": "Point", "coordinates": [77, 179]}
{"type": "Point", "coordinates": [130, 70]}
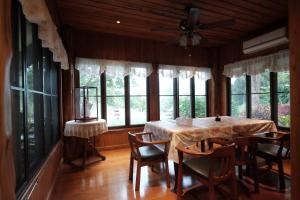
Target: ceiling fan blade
{"type": "Point", "coordinates": [217, 24]}
{"type": "Point", "coordinates": [164, 29]}
{"type": "Point", "coordinates": [172, 41]}
{"type": "Point", "coordinates": [193, 16]}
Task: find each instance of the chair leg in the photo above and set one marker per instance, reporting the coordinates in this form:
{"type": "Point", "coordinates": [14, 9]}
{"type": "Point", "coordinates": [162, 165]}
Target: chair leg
{"type": "Point", "coordinates": [138, 176]}
{"type": "Point", "coordinates": [233, 187]}
{"type": "Point", "coordinates": [212, 194]}
{"type": "Point", "coordinates": [240, 171]}
{"type": "Point", "coordinates": [179, 182]}
{"type": "Point", "coordinates": [131, 168]}
{"type": "Point", "coordinates": [281, 175]}
{"type": "Point", "coordinates": [167, 173]}
{"type": "Point", "coordinates": [255, 175]}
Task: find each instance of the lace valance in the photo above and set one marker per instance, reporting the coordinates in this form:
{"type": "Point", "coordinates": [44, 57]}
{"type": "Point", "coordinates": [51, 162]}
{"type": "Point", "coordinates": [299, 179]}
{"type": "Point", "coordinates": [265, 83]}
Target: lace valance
{"type": "Point", "coordinates": [174, 71]}
{"type": "Point", "coordinates": [36, 12]}
{"type": "Point", "coordinates": [113, 67]}
{"type": "Point", "coordinates": [277, 62]}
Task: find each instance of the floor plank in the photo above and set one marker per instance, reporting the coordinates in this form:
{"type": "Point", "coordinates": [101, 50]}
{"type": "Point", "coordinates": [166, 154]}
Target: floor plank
{"type": "Point", "coordinates": [108, 180]}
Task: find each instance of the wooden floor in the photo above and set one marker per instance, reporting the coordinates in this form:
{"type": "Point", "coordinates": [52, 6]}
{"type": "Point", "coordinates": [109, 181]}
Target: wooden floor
{"type": "Point", "coordinates": [109, 180]}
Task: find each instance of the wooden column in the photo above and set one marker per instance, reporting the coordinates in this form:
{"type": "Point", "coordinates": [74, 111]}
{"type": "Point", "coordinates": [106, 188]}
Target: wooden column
{"type": "Point", "coordinates": [7, 171]}
{"type": "Point", "coordinates": [154, 94]}
{"type": "Point", "coordinates": [68, 78]}
{"type": "Point", "coordinates": [294, 45]}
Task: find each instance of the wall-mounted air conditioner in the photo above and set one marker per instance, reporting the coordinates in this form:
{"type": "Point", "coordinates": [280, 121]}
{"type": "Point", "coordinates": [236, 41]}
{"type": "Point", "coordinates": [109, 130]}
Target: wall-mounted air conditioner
{"type": "Point", "coordinates": [265, 41]}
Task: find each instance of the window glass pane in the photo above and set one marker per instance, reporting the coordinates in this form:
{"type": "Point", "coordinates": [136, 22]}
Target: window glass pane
{"type": "Point", "coordinates": [260, 83]}
{"type": "Point", "coordinates": [238, 85]}
{"type": "Point", "coordinates": [47, 124]}
{"type": "Point", "coordinates": [46, 69]}
{"type": "Point", "coordinates": [55, 117]}
{"type": "Point", "coordinates": [283, 82]}
{"type": "Point", "coordinates": [16, 71]}
{"type": "Point", "coordinates": [114, 86]}
{"type": "Point", "coordinates": [35, 120]}
{"type": "Point", "coordinates": [238, 105]}
{"type": "Point", "coordinates": [200, 87]}
{"type": "Point", "coordinates": [138, 110]}
{"type": "Point", "coordinates": [18, 135]}
{"type": "Point", "coordinates": [33, 57]}
{"type": "Point", "coordinates": [90, 80]}
{"type": "Point", "coordinates": [184, 86]}
{"type": "Point", "coordinates": [138, 85]}
{"type": "Point", "coordinates": [138, 100]}
{"type": "Point", "coordinates": [54, 78]}
{"type": "Point", "coordinates": [200, 106]}
{"type": "Point", "coordinates": [115, 111]}
{"type": "Point", "coordinates": [284, 109]}
{"type": "Point", "coordinates": [166, 107]}
{"type": "Point", "coordinates": [185, 106]}
{"type": "Point", "coordinates": [165, 85]}
{"type": "Point", "coordinates": [261, 106]}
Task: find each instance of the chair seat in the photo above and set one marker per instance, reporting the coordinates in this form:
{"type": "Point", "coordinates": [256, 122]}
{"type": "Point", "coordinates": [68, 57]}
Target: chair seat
{"type": "Point", "coordinates": [201, 166]}
{"type": "Point", "coordinates": [150, 152]}
{"type": "Point", "coordinates": [269, 149]}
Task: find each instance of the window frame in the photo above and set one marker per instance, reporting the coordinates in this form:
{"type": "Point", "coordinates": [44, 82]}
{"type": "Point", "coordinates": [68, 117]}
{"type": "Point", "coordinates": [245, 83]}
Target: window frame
{"type": "Point", "coordinates": [48, 96]}
{"type": "Point", "coordinates": [192, 96]}
{"type": "Point", "coordinates": [273, 98]}
{"type": "Point", "coordinates": [103, 97]}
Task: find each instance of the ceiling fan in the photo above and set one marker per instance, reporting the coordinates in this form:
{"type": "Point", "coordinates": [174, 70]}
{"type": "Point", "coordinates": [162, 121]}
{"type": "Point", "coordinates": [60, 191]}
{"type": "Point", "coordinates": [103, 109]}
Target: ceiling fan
{"type": "Point", "coordinates": [189, 27]}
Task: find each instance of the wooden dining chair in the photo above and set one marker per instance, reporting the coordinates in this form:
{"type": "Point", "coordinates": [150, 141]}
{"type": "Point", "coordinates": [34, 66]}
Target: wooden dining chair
{"type": "Point", "coordinates": [147, 153]}
{"type": "Point", "coordinates": [211, 168]}
{"type": "Point", "coordinates": [274, 148]}
{"type": "Point", "coordinates": [245, 155]}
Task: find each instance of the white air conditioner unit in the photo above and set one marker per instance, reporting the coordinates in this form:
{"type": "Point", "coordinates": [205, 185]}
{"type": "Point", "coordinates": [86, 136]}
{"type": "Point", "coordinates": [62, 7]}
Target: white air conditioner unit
{"type": "Point", "coordinates": [265, 41]}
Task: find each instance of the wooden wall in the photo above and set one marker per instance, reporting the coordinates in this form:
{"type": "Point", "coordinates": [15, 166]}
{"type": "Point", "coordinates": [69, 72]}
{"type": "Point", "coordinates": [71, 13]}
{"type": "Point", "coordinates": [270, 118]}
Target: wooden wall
{"type": "Point", "coordinates": [294, 37]}
{"type": "Point", "coordinates": [42, 184]}
{"type": "Point", "coordinates": [7, 171]}
{"type": "Point", "coordinates": [87, 44]}
{"type": "Point", "coordinates": [105, 46]}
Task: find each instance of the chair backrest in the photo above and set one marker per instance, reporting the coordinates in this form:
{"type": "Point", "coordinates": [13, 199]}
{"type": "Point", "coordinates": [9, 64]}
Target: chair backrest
{"type": "Point", "coordinates": [245, 149]}
{"type": "Point", "coordinates": [224, 157]}
{"type": "Point", "coordinates": [134, 143]}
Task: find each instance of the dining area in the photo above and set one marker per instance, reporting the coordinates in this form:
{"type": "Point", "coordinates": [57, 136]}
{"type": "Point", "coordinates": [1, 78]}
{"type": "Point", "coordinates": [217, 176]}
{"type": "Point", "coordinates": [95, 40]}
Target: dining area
{"type": "Point", "coordinates": [216, 150]}
{"type": "Point", "coordinates": [152, 100]}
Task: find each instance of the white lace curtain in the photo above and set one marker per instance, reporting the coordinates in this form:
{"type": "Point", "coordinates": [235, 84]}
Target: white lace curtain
{"type": "Point", "coordinates": [277, 62]}
{"type": "Point", "coordinates": [174, 71]}
{"type": "Point", "coordinates": [113, 67]}
{"type": "Point", "coordinates": [36, 12]}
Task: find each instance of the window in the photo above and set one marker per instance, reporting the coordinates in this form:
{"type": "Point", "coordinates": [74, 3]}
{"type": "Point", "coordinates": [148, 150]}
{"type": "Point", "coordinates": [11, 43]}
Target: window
{"type": "Point", "coordinates": [138, 100]}
{"type": "Point", "coordinates": [123, 99]}
{"type": "Point", "coordinates": [182, 97]}
{"type": "Point", "coordinates": [115, 100]}
{"type": "Point", "coordinates": [200, 98]}
{"type": "Point", "coordinates": [263, 96]}
{"type": "Point", "coordinates": [166, 97]}
{"type": "Point", "coordinates": [185, 97]}
{"type": "Point", "coordinates": [260, 96]}
{"type": "Point", "coordinates": [92, 80]}
{"type": "Point", "coordinates": [34, 99]}
{"type": "Point", "coordinates": [283, 99]}
{"type": "Point", "coordinates": [238, 96]}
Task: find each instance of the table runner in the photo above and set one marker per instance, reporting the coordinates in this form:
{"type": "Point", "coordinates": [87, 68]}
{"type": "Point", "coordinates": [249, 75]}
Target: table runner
{"type": "Point", "coordinates": [203, 128]}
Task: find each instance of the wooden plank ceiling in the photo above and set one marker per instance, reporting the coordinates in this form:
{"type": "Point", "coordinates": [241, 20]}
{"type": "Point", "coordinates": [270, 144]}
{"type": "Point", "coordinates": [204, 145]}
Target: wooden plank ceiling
{"type": "Point", "coordinates": [138, 17]}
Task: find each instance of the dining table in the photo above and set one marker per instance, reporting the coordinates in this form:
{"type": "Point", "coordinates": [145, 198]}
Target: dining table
{"type": "Point", "coordinates": [186, 131]}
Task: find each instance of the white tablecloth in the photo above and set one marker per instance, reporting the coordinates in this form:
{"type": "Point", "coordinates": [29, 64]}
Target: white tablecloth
{"type": "Point", "coordinates": [203, 128]}
{"type": "Point", "coordinates": [85, 129]}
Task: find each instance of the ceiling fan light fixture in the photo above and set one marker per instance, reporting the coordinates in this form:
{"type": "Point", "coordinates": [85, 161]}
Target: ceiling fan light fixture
{"type": "Point", "coordinates": [183, 41]}
{"type": "Point", "coordinates": [196, 39]}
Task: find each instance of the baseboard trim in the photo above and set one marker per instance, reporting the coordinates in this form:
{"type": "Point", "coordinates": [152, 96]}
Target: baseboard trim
{"type": "Point", "coordinates": [113, 147]}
